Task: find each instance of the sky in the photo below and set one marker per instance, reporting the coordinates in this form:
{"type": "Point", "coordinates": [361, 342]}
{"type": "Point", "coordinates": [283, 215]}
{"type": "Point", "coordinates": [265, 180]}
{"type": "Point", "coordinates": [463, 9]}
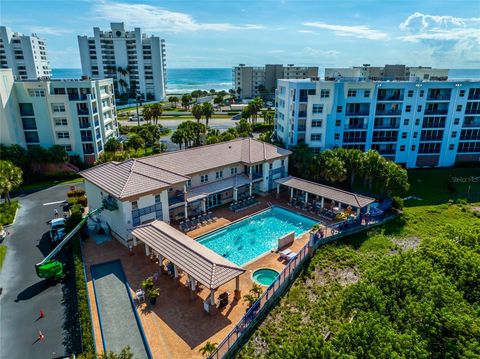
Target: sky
{"type": "Point", "coordinates": [221, 33]}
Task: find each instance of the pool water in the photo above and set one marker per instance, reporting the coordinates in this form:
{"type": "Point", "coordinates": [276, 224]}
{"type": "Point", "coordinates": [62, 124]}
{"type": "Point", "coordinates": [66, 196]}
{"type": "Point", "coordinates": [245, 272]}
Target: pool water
{"type": "Point", "coordinates": [251, 237]}
{"type": "Point", "coordinates": [265, 276]}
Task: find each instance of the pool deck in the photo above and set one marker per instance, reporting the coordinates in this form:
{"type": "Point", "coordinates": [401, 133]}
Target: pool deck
{"type": "Point", "coordinates": [177, 326]}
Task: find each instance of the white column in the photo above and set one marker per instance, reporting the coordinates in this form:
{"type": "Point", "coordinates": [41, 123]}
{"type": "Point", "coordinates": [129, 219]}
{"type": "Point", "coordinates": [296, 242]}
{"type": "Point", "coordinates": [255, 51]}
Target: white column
{"type": "Point", "coordinates": [291, 192]}
{"type": "Point", "coordinates": [147, 250]}
{"type": "Point", "coordinates": [212, 296]}
{"type": "Point", "coordinates": [134, 241]}
{"type": "Point", "coordinates": [250, 173]}
{"type": "Point", "coordinates": [306, 197]}
{"type": "Point", "coordinates": [235, 194]}
{"type": "Point", "coordinates": [322, 202]}
{"type": "Point", "coordinates": [368, 209]}
{"type": "Point", "coordinates": [250, 188]}
{"type": "Point", "coordinates": [204, 205]}
{"type": "Point", "coordinates": [358, 211]}
{"type": "Point", "coordinates": [339, 205]}
{"type": "Point", "coordinates": [165, 206]}
{"type": "Point", "coordinates": [237, 283]}
{"type": "Point", "coordinates": [186, 209]}
{"type": "Point", "coordinates": [278, 189]}
{"type": "Point", "coordinates": [192, 282]}
{"type": "Point", "coordinates": [175, 271]}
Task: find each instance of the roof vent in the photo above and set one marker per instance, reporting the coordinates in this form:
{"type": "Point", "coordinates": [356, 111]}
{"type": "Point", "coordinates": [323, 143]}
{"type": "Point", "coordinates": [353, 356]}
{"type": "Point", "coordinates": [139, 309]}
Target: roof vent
{"type": "Point", "coordinates": [229, 146]}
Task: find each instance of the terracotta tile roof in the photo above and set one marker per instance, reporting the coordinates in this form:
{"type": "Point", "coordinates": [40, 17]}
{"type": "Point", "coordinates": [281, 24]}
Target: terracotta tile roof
{"type": "Point", "coordinates": [138, 176]}
{"type": "Point", "coordinates": [345, 197]}
{"type": "Point", "coordinates": [203, 264]}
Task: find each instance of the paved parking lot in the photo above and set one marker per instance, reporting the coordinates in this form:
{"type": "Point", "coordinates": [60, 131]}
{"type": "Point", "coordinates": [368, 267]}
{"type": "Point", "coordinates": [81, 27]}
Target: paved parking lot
{"type": "Point", "coordinates": [24, 294]}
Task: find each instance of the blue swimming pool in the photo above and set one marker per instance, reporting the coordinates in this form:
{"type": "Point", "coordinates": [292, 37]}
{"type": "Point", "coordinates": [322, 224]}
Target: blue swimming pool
{"type": "Point", "coordinates": [251, 237]}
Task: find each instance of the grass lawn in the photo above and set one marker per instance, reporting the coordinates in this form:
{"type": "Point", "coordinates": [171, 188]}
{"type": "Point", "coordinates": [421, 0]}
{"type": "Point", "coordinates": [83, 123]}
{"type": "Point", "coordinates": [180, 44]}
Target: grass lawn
{"type": "Point", "coordinates": [49, 183]}
{"type": "Point", "coordinates": [313, 306]}
{"type": "Point", "coordinates": [3, 252]}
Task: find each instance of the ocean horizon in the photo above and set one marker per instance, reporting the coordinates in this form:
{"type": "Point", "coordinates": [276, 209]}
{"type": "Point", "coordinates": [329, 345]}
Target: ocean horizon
{"type": "Point", "coordinates": [189, 79]}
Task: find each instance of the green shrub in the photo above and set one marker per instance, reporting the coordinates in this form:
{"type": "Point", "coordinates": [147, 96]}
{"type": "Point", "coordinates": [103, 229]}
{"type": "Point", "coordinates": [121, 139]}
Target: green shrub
{"type": "Point", "coordinates": [397, 202]}
{"type": "Point", "coordinates": [76, 193]}
{"type": "Point", "coordinates": [7, 212]}
{"type": "Point", "coordinates": [82, 201]}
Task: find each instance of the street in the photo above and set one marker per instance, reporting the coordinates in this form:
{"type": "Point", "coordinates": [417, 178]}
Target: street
{"type": "Point", "coordinates": [23, 294]}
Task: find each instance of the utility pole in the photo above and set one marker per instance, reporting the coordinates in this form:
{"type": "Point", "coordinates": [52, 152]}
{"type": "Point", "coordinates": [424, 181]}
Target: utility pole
{"type": "Point", "coordinates": [136, 103]}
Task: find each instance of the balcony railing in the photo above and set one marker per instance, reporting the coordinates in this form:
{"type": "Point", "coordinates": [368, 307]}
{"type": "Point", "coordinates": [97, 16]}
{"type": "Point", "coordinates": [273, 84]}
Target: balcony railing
{"type": "Point", "coordinates": [429, 150]}
{"type": "Point", "coordinates": [302, 114]}
{"type": "Point", "coordinates": [387, 125]}
{"type": "Point", "coordinates": [97, 123]}
{"type": "Point", "coordinates": [356, 126]}
{"type": "Point", "coordinates": [303, 98]}
{"type": "Point", "coordinates": [82, 111]}
{"type": "Point", "coordinates": [473, 111]}
{"type": "Point", "coordinates": [390, 98]}
{"type": "Point", "coordinates": [431, 138]}
{"type": "Point", "coordinates": [388, 112]}
{"type": "Point", "coordinates": [85, 125]}
{"type": "Point", "coordinates": [469, 137]}
{"type": "Point", "coordinates": [179, 198]}
{"type": "Point", "coordinates": [439, 97]}
{"type": "Point", "coordinates": [471, 124]}
{"type": "Point", "coordinates": [98, 136]}
{"type": "Point", "coordinates": [386, 151]}
{"type": "Point", "coordinates": [434, 125]}
{"type": "Point", "coordinates": [257, 176]}
{"type": "Point", "coordinates": [357, 113]}
{"type": "Point", "coordinates": [436, 111]}
{"type": "Point", "coordinates": [475, 96]}
{"type": "Point", "coordinates": [87, 138]}
{"type": "Point", "coordinates": [77, 97]}
{"type": "Point", "coordinates": [355, 140]}
{"type": "Point", "coordinates": [385, 139]}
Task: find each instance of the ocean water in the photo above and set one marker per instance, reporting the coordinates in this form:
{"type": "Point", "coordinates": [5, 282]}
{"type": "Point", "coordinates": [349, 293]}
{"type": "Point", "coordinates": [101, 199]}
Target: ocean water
{"type": "Point", "coordinates": [187, 80]}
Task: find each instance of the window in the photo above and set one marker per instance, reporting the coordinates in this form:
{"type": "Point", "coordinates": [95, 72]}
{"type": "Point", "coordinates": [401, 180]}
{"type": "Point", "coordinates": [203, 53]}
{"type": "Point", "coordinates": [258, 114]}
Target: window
{"type": "Point", "coordinates": [462, 93]}
{"type": "Point", "coordinates": [410, 93]}
{"type": "Point", "coordinates": [63, 135]}
{"type": "Point", "coordinates": [36, 93]}
{"type": "Point", "coordinates": [338, 122]}
{"type": "Point", "coordinates": [233, 170]}
{"type": "Point", "coordinates": [219, 174]}
{"type": "Point", "coordinates": [316, 123]}
{"type": "Point", "coordinates": [404, 135]}
{"type": "Point", "coordinates": [68, 148]}
{"type": "Point", "coordinates": [316, 137]}
{"type": "Point", "coordinates": [337, 136]}
{"type": "Point", "coordinates": [417, 121]}
{"type": "Point", "coordinates": [402, 148]}
{"type": "Point", "coordinates": [157, 198]}
{"type": "Point", "coordinates": [26, 109]}
{"type": "Point", "coordinates": [317, 108]}
{"type": "Point", "coordinates": [366, 93]}
{"type": "Point", "coordinates": [422, 93]}
{"type": "Point", "coordinates": [451, 147]}
{"type": "Point", "coordinates": [454, 134]}
{"type": "Point", "coordinates": [61, 122]}
{"type": "Point", "coordinates": [413, 147]}
{"type": "Point", "coordinates": [31, 137]}
{"type": "Point", "coordinates": [324, 93]}
{"type": "Point", "coordinates": [282, 163]}
{"type": "Point", "coordinates": [459, 107]}
{"type": "Point", "coordinates": [134, 205]}
{"type": "Point", "coordinates": [419, 108]}
{"type": "Point", "coordinates": [415, 134]}
{"type": "Point", "coordinates": [351, 93]}
{"type": "Point", "coordinates": [29, 123]}
{"type": "Point", "coordinates": [339, 108]}
{"type": "Point", "coordinates": [456, 121]}
{"type": "Point", "coordinates": [204, 178]}
{"type": "Point", "coordinates": [58, 107]}
{"type": "Point", "coordinates": [408, 108]}
{"type": "Point", "coordinates": [189, 183]}
{"type": "Point", "coordinates": [270, 166]}
{"type": "Point", "coordinates": [405, 122]}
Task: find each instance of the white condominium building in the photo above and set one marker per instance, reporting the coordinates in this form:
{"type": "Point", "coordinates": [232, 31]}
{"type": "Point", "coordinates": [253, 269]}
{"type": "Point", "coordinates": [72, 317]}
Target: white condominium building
{"type": "Point", "coordinates": [25, 55]}
{"type": "Point", "coordinates": [414, 123]}
{"type": "Point", "coordinates": [79, 115]}
{"type": "Point", "coordinates": [136, 62]}
{"type": "Point", "coordinates": [387, 72]}
{"type": "Point", "coordinates": [249, 82]}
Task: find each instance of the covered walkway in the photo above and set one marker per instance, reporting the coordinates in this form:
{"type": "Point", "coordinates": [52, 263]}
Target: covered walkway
{"type": "Point", "coordinates": [184, 253]}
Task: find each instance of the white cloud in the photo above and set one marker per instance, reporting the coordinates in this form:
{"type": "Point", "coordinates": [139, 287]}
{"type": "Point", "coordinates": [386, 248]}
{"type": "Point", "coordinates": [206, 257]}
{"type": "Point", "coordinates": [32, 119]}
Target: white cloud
{"type": "Point", "coordinates": [157, 19]}
{"type": "Point", "coordinates": [316, 52]}
{"type": "Point", "coordinates": [359, 31]}
{"type": "Point", "coordinates": [47, 30]}
{"type": "Point", "coordinates": [306, 31]}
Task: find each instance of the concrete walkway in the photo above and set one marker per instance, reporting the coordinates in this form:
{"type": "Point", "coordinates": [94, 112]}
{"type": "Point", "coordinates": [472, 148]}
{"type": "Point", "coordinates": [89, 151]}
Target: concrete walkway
{"type": "Point", "coordinates": [119, 325]}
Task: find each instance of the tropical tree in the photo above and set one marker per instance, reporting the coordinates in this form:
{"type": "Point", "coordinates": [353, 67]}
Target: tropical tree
{"type": "Point", "coordinates": [186, 100]}
{"type": "Point", "coordinates": [178, 137]}
{"type": "Point", "coordinates": [208, 349]}
{"type": "Point", "coordinates": [157, 111]}
{"type": "Point", "coordinates": [197, 111]}
{"type": "Point", "coordinates": [243, 128]}
{"type": "Point", "coordinates": [174, 100]}
{"type": "Point", "coordinates": [331, 167]}
{"type": "Point", "coordinates": [395, 178]}
{"type": "Point", "coordinates": [254, 107]}
{"type": "Point", "coordinates": [147, 113]}
{"type": "Point", "coordinates": [373, 164]}
{"type": "Point", "coordinates": [146, 136]}
{"type": "Point", "coordinates": [245, 114]}
{"type": "Point", "coordinates": [207, 111]}
{"type": "Point", "coordinates": [218, 100]}
{"type": "Point", "coordinates": [353, 159]}
{"type": "Point", "coordinates": [10, 178]}
{"type": "Point", "coordinates": [301, 160]}
{"type": "Point", "coordinates": [135, 142]}
{"type": "Point", "coordinates": [113, 145]}
{"type": "Point", "coordinates": [57, 154]}
{"type": "Point", "coordinates": [124, 354]}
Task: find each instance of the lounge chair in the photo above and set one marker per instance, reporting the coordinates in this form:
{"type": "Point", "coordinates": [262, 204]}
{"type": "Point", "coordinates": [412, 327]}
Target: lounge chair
{"type": "Point", "coordinates": [291, 256]}
{"type": "Point", "coordinates": [140, 295]}
{"type": "Point", "coordinates": [284, 254]}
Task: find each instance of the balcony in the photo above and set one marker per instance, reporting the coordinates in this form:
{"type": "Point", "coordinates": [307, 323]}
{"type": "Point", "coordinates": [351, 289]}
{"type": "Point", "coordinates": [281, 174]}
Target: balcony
{"type": "Point", "coordinates": [472, 111]}
{"type": "Point", "coordinates": [177, 199]}
{"type": "Point", "coordinates": [82, 111]}
{"type": "Point", "coordinates": [77, 97]}
{"type": "Point", "coordinates": [434, 125]}
{"type": "Point", "coordinates": [303, 99]}
{"type": "Point", "coordinates": [390, 98]}
{"type": "Point", "coordinates": [470, 137]}
{"type": "Point", "coordinates": [385, 139]}
{"type": "Point", "coordinates": [355, 140]}
{"type": "Point", "coordinates": [256, 176]}
{"type": "Point", "coordinates": [357, 113]}
{"type": "Point", "coordinates": [387, 125]}
{"type": "Point", "coordinates": [472, 123]}
{"type": "Point", "coordinates": [474, 96]}
{"type": "Point", "coordinates": [439, 97]}
{"type": "Point", "coordinates": [386, 151]}
{"type": "Point", "coordinates": [302, 114]}
{"type": "Point", "coordinates": [87, 139]}
{"type": "Point", "coordinates": [85, 125]}
{"type": "Point", "coordinates": [436, 111]}
{"type": "Point", "coordinates": [97, 123]}
{"type": "Point", "coordinates": [356, 126]}
{"type": "Point", "coordinates": [98, 136]}
{"type": "Point", "coordinates": [389, 112]}
{"type": "Point", "coordinates": [94, 110]}
{"type": "Point", "coordinates": [431, 138]}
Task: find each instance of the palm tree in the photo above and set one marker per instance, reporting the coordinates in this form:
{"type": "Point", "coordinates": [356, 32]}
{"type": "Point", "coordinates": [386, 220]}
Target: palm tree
{"type": "Point", "coordinates": [353, 159]}
{"type": "Point", "coordinates": [333, 168]}
{"type": "Point", "coordinates": [178, 137]}
{"type": "Point", "coordinates": [147, 113]}
{"type": "Point", "coordinates": [10, 178]}
{"type": "Point", "coordinates": [254, 106]}
{"type": "Point", "coordinates": [197, 112]}
{"type": "Point", "coordinates": [157, 111]}
{"type": "Point", "coordinates": [208, 349]}
{"type": "Point", "coordinates": [186, 100]}
{"type": "Point", "coordinates": [207, 111]}
{"type": "Point", "coordinates": [373, 164]}
{"type": "Point", "coordinates": [174, 100]}
{"type": "Point", "coordinates": [395, 179]}
{"type": "Point", "coordinates": [301, 160]}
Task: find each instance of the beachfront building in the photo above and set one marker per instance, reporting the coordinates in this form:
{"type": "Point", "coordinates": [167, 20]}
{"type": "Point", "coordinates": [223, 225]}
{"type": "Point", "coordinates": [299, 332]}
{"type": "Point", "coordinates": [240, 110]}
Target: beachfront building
{"type": "Point", "coordinates": [386, 73]}
{"type": "Point", "coordinates": [136, 62]}
{"type": "Point", "coordinates": [25, 55]}
{"type": "Point", "coordinates": [416, 123]}
{"type": "Point", "coordinates": [79, 115]}
{"type": "Point", "coordinates": [175, 185]}
{"type": "Point", "coordinates": [250, 82]}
